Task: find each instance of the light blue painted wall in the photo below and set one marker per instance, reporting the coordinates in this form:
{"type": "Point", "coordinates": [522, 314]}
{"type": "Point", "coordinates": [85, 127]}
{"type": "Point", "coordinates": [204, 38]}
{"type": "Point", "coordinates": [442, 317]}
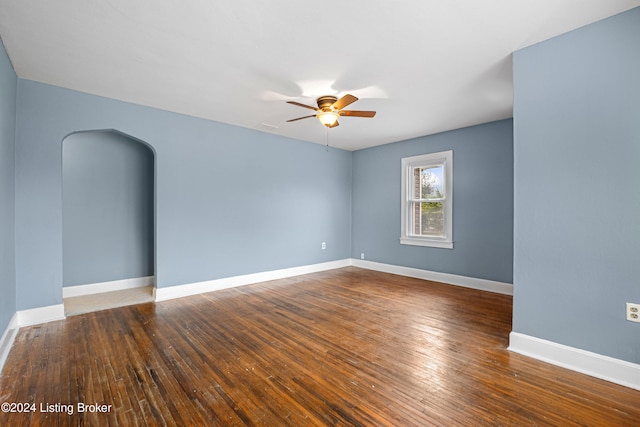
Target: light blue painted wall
{"type": "Point", "coordinates": [230, 200]}
{"type": "Point", "coordinates": [577, 174]}
{"type": "Point", "coordinates": [482, 204]}
{"type": "Point", "coordinates": [8, 84]}
{"type": "Point", "coordinates": [107, 208]}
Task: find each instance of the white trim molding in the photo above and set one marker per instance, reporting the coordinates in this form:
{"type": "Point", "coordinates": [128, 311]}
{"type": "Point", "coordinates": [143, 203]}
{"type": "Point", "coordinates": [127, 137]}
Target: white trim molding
{"type": "Point", "coordinates": [593, 364]}
{"type": "Point", "coordinates": [7, 339]}
{"type": "Point", "coordinates": [35, 316]}
{"type": "Point", "coordinates": [451, 279]}
{"type": "Point", "coordinates": [115, 285]}
{"type": "Point", "coordinates": [179, 291]}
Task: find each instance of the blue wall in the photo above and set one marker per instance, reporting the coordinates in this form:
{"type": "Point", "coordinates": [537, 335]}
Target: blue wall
{"type": "Point", "coordinates": [230, 200]}
{"type": "Point", "coordinates": [482, 203]}
{"type": "Point", "coordinates": [8, 83]}
{"type": "Point", "coordinates": [107, 208]}
{"type": "Point", "coordinates": [577, 174]}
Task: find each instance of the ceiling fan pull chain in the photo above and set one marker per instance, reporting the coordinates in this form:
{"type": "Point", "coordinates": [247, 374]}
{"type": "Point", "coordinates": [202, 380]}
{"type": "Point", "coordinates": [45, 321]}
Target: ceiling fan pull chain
{"type": "Point", "coordinates": [327, 140]}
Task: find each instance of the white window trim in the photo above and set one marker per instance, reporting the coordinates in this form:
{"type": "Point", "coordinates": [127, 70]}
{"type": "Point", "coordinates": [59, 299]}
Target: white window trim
{"type": "Point", "coordinates": [441, 158]}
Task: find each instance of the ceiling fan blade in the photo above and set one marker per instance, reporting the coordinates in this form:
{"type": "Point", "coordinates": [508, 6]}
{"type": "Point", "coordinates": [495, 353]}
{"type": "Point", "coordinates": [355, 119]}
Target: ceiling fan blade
{"type": "Point", "coordinates": [302, 105]}
{"type": "Point", "coordinates": [344, 101]}
{"type": "Point", "coordinates": [300, 118]}
{"type": "Point", "coordinates": [355, 113]}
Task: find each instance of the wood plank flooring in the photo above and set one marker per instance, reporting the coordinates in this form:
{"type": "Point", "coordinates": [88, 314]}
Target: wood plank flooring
{"type": "Point", "coordinates": [346, 347]}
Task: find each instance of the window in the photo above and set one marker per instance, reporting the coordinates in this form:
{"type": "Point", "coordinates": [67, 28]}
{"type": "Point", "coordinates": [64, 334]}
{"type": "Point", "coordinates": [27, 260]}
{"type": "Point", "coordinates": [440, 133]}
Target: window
{"type": "Point", "coordinates": [427, 200]}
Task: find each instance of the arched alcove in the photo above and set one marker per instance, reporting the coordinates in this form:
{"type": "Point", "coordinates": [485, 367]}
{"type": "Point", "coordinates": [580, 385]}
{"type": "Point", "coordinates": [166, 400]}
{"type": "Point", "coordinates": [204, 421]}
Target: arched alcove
{"type": "Point", "coordinates": [108, 214]}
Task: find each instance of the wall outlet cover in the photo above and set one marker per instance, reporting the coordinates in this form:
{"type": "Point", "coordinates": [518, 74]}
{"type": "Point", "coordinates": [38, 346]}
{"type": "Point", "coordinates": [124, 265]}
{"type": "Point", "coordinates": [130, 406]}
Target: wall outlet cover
{"type": "Point", "coordinates": [633, 312]}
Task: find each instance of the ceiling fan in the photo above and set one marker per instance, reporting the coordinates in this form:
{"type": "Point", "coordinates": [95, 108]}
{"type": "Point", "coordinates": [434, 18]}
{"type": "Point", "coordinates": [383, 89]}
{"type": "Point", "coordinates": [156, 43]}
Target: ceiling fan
{"type": "Point", "coordinates": [330, 108]}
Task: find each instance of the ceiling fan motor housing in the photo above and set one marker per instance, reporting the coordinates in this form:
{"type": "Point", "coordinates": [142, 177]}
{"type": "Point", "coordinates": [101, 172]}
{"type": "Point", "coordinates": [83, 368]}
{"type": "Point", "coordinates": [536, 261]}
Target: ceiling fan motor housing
{"type": "Point", "coordinates": [325, 102]}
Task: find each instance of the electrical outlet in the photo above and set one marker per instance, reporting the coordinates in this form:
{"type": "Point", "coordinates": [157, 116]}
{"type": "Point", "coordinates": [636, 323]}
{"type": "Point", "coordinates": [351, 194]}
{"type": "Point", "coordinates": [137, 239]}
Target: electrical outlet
{"type": "Point", "coordinates": [324, 245]}
{"type": "Point", "coordinates": [633, 312]}
{"type": "Point", "coordinates": [362, 255]}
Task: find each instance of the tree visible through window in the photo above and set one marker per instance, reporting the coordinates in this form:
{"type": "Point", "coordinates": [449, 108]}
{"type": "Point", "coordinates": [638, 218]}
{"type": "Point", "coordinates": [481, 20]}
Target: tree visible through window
{"type": "Point", "coordinates": [427, 197]}
{"type": "Point", "coordinates": [427, 205]}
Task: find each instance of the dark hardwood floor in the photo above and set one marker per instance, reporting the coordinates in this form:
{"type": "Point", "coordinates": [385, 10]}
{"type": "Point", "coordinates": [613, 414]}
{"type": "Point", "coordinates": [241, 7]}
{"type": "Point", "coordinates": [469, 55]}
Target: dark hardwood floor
{"type": "Point", "coordinates": [343, 347]}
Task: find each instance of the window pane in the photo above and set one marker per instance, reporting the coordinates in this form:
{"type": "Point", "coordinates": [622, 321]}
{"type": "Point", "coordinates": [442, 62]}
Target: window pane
{"type": "Point", "coordinates": [416, 220]}
{"type": "Point", "coordinates": [431, 182]}
{"type": "Point", "coordinates": [431, 219]}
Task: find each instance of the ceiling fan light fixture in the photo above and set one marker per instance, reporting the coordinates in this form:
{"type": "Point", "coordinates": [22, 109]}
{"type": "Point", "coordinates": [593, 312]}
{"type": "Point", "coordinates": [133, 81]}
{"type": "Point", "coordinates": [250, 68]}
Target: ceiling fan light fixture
{"type": "Point", "coordinates": [328, 118]}
{"type": "Point", "coordinates": [330, 109]}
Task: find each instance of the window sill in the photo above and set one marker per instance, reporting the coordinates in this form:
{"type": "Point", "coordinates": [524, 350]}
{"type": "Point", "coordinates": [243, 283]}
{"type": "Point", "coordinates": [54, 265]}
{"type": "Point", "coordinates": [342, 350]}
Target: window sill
{"type": "Point", "coordinates": [425, 242]}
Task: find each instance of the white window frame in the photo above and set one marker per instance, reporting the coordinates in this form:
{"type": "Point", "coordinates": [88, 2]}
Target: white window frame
{"type": "Point", "coordinates": [444, 159]}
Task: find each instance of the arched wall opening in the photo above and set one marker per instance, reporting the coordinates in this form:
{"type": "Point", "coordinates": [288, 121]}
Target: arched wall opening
{"type": "Point", "coordinates": [108, 211]}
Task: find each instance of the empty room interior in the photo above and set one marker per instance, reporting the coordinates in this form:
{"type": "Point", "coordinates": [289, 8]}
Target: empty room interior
{"type": "Point", "coordinates": [342, 213]}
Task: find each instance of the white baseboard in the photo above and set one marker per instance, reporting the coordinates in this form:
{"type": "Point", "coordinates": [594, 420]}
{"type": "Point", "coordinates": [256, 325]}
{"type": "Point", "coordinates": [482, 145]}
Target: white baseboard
{"type": "Point", "coordinates": [164, 294]}
{"type": "Point", "coordinates": [179, 291]}
{"type": "Point", "coordinates": [451, 279]}
{"type": "Point", "coordinates": [39, 315]}
{"type": "Point", "coordinates": [115, 285]}
{"type": "Point", "coordinates": [596, 365]}
{"type": "Point", "coordinates": [7, 339]}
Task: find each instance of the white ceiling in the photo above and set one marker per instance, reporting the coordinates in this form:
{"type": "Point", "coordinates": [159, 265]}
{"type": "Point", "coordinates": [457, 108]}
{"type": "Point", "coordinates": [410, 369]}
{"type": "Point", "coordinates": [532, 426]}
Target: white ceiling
{"type": "Point", "coordinates": [425, 66]}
